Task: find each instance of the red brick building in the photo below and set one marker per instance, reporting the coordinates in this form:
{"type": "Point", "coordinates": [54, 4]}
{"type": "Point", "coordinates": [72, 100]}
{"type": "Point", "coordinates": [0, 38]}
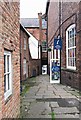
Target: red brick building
{"type": "Point", "coordinates": [37, 27]}
{"type": "Point", "coordinates": [9, 60]}
{"type": "Point", "coordinates": [64, 20]}
{"type": "Point", "coordinates": [24, 53]}
{"type": "Point", "coordinates": [30, 62]}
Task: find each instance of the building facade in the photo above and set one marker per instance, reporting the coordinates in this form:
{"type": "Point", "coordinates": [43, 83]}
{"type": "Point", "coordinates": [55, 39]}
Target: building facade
{"type": "Point", "coordinates": [38, 28]}
{"type": "Point", "coordinates": [9, 60]}
{"type": "Point", "coordinates": [24, 53]}
{"type": "Point", "coordinates": [29, 55]}
{"type": "Point", "coordinates": [64, 21]}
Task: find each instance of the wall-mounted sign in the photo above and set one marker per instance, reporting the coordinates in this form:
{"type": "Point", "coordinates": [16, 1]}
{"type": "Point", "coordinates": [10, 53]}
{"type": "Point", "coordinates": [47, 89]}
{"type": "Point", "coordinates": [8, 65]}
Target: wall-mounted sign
{"type": "Point", "coordinates": [55, 68]}
{"type": "Point", "coordinates": [57, 43]}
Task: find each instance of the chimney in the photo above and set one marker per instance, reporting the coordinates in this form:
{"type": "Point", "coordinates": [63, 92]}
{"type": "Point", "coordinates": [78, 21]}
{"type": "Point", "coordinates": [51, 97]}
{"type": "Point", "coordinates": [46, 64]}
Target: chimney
{"type": "Point", "coordinates": [40, 26]}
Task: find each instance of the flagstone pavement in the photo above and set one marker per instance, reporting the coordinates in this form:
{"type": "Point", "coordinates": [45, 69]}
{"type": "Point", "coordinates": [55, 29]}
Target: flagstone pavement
{"type": "Point", "coordinates": [51, 101]}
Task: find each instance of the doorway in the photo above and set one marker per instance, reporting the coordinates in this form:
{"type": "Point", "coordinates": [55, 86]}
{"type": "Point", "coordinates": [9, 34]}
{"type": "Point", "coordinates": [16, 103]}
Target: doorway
{"type": "Point", "coordinates": [55, 66]}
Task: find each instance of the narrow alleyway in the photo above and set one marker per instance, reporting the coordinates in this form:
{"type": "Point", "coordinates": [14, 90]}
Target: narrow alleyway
{"type": "Point", "coordinates": [40, 99]}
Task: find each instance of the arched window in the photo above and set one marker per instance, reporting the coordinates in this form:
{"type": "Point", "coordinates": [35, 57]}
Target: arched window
{"type": "Point", "coordinates": [71, 48]}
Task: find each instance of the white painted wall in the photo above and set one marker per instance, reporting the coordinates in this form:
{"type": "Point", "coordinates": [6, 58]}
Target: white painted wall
{"type": "Point", "coordinates": [33, 46]}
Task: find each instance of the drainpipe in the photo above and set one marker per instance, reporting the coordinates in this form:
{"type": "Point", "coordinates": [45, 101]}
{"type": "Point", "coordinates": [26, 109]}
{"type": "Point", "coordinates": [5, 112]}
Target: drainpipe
{"type": "Point", "coordinates": [40, 36]}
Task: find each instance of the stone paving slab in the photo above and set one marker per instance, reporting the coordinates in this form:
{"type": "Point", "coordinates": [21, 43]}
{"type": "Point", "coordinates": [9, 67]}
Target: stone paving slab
{"type": "Point", "coordinates": [69, 116]}
{"type": "Point", "coordinates": [53, 105]}
{"type": "Point", "coordinates": [66, 110]}
{"type": "Point", "coordinates": [39, 108]}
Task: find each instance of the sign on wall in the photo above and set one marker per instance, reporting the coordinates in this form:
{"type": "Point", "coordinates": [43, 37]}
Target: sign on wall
{"type": "Point", "coordinates": [57, 43]}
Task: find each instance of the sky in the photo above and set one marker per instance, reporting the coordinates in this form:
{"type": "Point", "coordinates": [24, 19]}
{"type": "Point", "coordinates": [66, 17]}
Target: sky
{"type": "Point", "coordinates": [31, 8]}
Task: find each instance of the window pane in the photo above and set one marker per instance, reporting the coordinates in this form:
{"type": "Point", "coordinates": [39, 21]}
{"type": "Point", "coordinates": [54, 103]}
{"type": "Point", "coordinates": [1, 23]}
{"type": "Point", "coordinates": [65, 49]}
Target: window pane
{"type": "Point", "coordinates": [24, 66]}
{"type": "Point", "coordinates": [8, 81]}
{"type": "Point", "coordinates": [71, 42]}
{"type": "Point", "coordinates": [74, 62]}
{"type": "Point", "coordinates": [68, 35]}
{"type": "Point", "coordinates": [4, 63]}
{"type": "Point", "coordinates": [24, 43]}
{"type": "Point", "coordinates": [44, 46]}
{"type": "Point", "coordinates": [70, 53]}
{"type": "Point", "coordinates": [4, 83]}
{"type": "Point", "coordinates": [68, 61]}
{"type": "Point", "coordinates": [8, 63]}
{"type": "Point", "coordinates": [72, 32]}
{"type": "Point", "coordinates": [71, 61]}
{"type": "Point", "coordinates": [73, 53]}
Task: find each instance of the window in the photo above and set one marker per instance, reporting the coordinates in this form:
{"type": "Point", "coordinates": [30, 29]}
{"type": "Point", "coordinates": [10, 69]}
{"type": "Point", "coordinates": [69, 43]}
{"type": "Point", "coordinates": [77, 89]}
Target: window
{"type": "Point", "coordinates": [24, 43]}
{"type": "Point", "coordinates": [71, 47]}
{"type": "Point", "coordinates": [44, 46]}
{"type": "Point", "coordinates": [24, 66]}
{"type": "Point", "coordinates": [7, 74]}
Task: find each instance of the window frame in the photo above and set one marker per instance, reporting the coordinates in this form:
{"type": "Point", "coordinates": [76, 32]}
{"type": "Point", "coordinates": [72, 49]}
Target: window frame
{"type": "Point", "coordinates": [24, 66]}
{"type": "Point", "coordinates": [70, 48]}
{"type": "Point", "coordinates": [44, 46]}
{"type": "Point", "coordinates": [25, 43]}
{"type": "Point", "coordinates": [8, 91]}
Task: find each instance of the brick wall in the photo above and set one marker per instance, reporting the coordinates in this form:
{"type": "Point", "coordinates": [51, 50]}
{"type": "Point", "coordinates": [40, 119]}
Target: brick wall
{"type": "Point", "coordinates": [9, 40]}
{"type": "Point", "coordinates": [53, 18]}
{"type": "Point", "coordinates": [24, 54]}
{"type": "Point", "coordinates": [34, 68]}
{"type": "Point", "coordinates": [34, 32]}
{"type": "Point", "coordinates": [33, 65]}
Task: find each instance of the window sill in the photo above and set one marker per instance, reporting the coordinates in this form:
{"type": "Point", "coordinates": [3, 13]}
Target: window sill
{"type": "Point", "coordinates": [7, 100]}
{"type": "Point", "coordinates": [68, 70]}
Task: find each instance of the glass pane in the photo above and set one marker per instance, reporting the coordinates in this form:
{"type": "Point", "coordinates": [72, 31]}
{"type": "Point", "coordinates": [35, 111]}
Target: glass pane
{"type": "Point", "coordinates": [8, 81]}
{"type": "Point", "coordinates": [68, 35]}
{"type": "Point", "coordinates": [4, 83]}
{"type": "Point", "coordinates": [25, 43]}
{"type": "Point", "coordinates": [71, 42]}
{"type": "Point", "coordinates": [73, 53]}
{"type": "Point", "coordinates": [8, 63]}
{"type": "Point", "coordinates": [73, 32]}
{"type": "Point", "coordinates": [71, 62]}
{"type": "Point", "coordinates": [4, 63]}
{"type": "Point", "coordinates": [70, 53]}
{"type": "Point", "coordinates": [68, 61]}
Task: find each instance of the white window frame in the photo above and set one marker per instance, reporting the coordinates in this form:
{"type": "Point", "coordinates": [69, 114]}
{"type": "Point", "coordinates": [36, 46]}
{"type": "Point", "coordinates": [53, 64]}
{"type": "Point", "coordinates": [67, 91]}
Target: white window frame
{"type": "Point", "coordinates": [68, 48]}
{"type": "Point", "coordinates": [24, 66]}
{"type": "Point", "coordinates": [8, 91]}
{"type": "Point", "coordinates": [24, 43]}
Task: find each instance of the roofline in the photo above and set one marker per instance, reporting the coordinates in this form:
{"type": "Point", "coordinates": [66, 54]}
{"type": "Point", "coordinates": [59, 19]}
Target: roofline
{"type": "Point", "coordinates": [32, 35]}
{"type": "Point", "coordinates": [34, 28]}
{"type": "Point", "coordinates": [21, 27]}
{"type": "Point", "coordinates": [31, 27]}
